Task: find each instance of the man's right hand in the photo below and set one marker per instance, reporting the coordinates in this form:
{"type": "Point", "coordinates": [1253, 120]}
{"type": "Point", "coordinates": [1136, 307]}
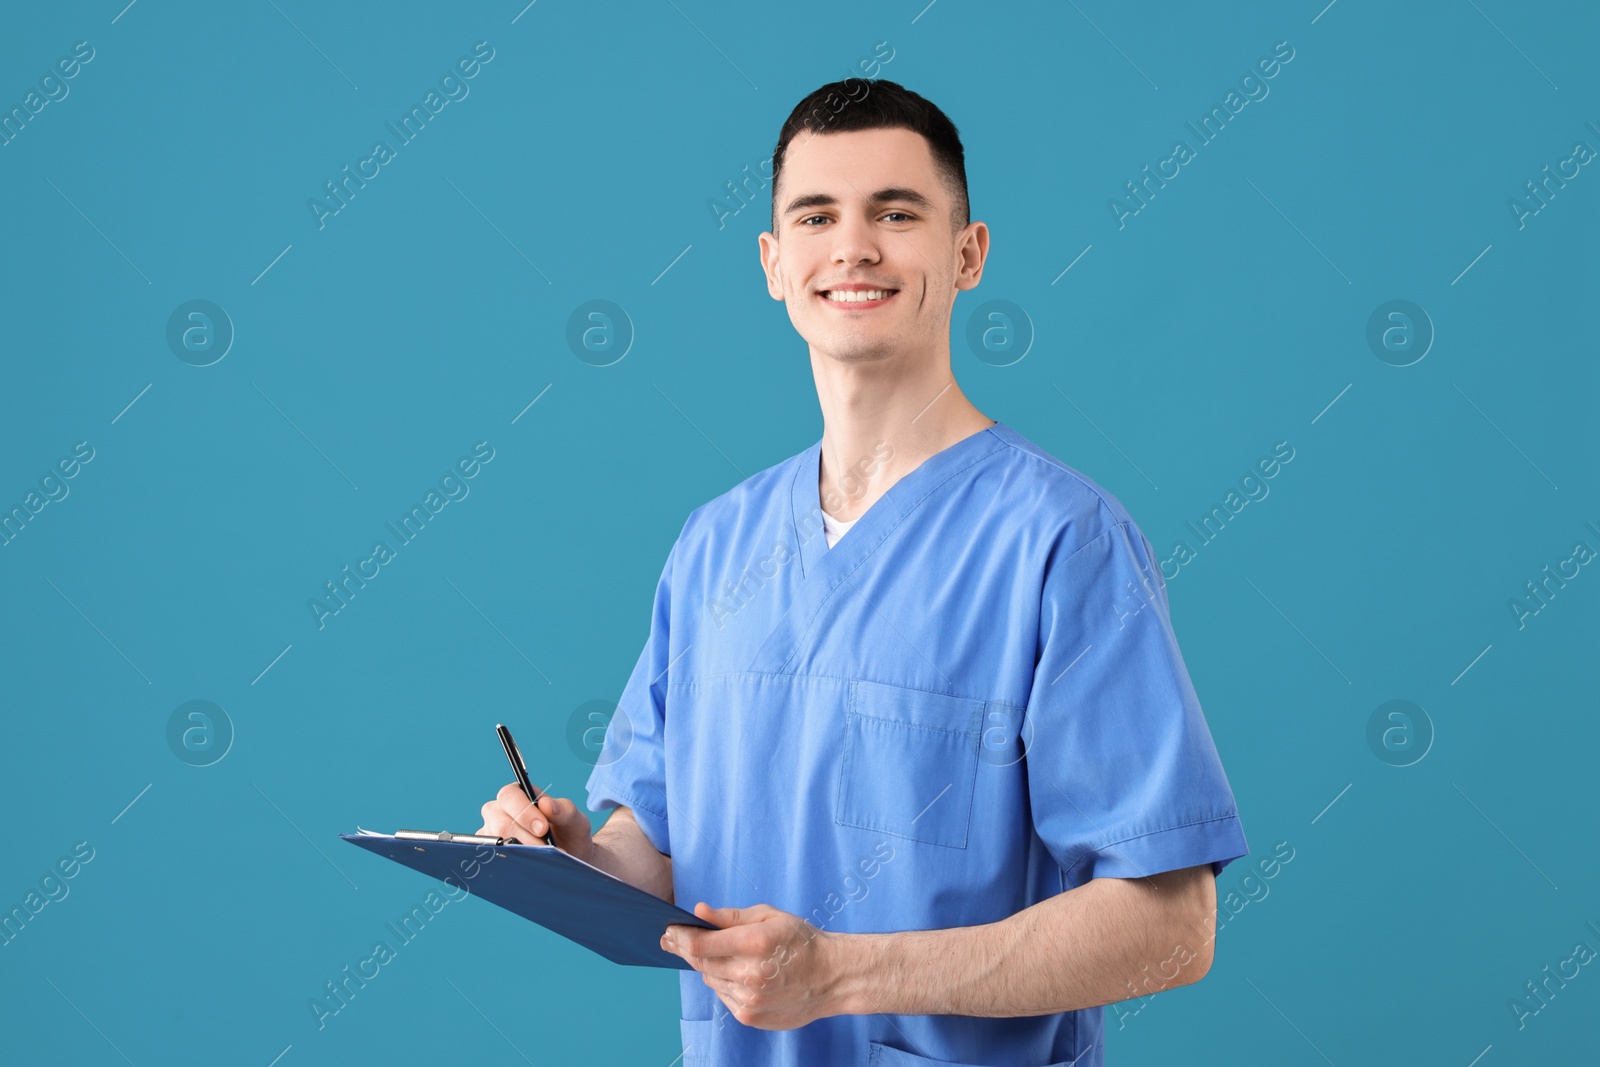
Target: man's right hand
{"type": "Point", "coordinates": [509, 815]}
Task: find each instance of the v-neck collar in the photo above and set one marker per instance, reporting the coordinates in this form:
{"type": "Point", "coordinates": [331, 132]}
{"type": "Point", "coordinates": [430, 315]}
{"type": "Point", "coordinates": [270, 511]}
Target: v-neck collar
{"type": "Point", "coordinates": [884, 514]}
{"type": "Point", "coordinates": [824, 570]}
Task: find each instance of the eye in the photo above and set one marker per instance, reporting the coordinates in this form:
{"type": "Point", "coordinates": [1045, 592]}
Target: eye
{"type": "Point", "coordinates": [811, 218]}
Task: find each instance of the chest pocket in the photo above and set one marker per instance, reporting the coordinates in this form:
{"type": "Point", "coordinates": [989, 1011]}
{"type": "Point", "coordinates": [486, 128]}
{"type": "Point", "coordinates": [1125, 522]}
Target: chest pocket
{"type": "Point", "coordinates": [909, 764]}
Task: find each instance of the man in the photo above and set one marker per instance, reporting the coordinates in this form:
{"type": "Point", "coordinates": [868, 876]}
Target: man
{"type": "Point", "coordinates": [943, 775]}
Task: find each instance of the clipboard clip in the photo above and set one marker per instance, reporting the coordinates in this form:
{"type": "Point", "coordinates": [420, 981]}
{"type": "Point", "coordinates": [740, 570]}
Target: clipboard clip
{"type": "Point", "coordinates": [446, 835]}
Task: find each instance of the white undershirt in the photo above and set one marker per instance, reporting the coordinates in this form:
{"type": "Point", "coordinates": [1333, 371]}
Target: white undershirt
{"type": "Point", "coordinates": [833, 529]}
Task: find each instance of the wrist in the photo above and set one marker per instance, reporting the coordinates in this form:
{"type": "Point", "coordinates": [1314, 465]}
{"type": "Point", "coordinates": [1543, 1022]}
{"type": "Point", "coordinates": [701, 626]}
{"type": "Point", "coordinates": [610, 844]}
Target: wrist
{"type": "Point", "coordinates": [598, 856]}
{"type": "Point", "coordinates": [851, 964]}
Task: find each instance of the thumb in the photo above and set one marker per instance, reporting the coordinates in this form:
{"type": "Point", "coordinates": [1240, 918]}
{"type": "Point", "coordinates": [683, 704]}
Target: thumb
{"type": "Point", "coordinates": [558, 810]}
{"type": "Point", "coordinates": [569, 822]}
{"type": "Point", "coordinates": [723, 916]}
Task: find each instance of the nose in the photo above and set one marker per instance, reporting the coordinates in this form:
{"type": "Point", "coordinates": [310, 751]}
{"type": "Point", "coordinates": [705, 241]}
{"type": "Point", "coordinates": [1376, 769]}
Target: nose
{"type": "Point", "coordinates": [854, 242]}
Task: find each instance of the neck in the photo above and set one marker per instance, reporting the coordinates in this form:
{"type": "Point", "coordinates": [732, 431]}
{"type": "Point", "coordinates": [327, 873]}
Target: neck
{"type": "Point", "coordinates": [880, 422]}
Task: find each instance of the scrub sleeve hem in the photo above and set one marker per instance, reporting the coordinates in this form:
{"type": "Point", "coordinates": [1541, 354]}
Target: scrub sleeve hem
{"type": "Point", "coordinates": [652, 822]}
{"type": "Point", "coordinates": [1218, 841]}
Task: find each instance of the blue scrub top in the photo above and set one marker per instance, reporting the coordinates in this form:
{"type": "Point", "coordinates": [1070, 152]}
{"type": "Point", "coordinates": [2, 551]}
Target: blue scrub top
{"type": "Point", "coordinates": [972, 702]}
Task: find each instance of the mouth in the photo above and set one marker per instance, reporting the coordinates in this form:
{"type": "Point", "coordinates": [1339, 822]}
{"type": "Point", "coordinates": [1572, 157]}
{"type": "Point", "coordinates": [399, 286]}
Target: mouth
{"type": "Point", "coordinates": [856, 299]}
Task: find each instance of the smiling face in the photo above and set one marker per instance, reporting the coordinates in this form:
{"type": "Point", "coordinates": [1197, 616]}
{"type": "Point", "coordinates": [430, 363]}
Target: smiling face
{"type": "Point", "coordinates": [863, 253]}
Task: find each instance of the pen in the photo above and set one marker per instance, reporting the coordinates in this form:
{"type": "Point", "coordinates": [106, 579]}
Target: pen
{"type": "Point", "coordinates": [520, 769]}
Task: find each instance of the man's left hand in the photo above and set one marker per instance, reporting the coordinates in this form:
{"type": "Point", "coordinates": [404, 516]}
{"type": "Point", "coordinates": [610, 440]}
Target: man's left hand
{"type": "Point", "coordinates": [773, 970]}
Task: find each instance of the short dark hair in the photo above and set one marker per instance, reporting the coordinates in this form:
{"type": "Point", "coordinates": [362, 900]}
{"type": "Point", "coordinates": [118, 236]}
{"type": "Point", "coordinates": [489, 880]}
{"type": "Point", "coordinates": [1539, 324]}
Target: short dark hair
{"type": "Point", "coordinates": [860, 104]}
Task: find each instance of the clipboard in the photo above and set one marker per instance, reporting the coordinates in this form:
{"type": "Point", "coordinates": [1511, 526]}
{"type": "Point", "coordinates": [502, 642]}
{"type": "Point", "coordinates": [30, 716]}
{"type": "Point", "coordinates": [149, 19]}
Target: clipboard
{"type": "Point", "coordinates": [552, 888]}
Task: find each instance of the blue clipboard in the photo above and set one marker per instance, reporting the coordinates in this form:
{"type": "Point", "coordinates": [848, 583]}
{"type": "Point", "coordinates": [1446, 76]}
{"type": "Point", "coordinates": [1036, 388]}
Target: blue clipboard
{"type": "Point", "coordinates": [550, 887]}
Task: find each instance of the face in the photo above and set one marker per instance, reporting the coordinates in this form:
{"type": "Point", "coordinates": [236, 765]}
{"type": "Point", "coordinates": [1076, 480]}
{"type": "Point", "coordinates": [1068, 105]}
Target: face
{"type": "Point", "coordinates": [865, 211]}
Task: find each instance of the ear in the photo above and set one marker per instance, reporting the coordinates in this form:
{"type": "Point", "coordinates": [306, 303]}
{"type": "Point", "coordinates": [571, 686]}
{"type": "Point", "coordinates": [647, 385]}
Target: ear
{"type": "Point", "coordinates": [770, 265]}
{"type": "Point", "coordinates": [972, 251]}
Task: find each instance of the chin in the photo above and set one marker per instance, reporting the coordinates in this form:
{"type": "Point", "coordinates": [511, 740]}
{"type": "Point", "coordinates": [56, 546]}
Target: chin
{"type": "Point", "coordinates": [860, 353]}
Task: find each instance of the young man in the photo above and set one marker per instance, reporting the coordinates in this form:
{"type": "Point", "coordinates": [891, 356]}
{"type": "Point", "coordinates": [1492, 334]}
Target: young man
{"type": "Point", "coordinates": [943, 776]}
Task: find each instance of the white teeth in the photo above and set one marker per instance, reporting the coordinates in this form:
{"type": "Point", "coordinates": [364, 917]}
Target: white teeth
{"type": "Point", "coordinates": [846, 296]}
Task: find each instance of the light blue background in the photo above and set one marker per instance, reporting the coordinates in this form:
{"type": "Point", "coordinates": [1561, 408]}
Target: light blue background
{"type": "Point", "coordinates": [424, 317]}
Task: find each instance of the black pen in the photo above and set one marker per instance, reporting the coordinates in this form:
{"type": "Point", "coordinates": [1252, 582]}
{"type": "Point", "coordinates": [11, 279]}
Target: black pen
{"type": "Point", "coordinates": [520, 769]}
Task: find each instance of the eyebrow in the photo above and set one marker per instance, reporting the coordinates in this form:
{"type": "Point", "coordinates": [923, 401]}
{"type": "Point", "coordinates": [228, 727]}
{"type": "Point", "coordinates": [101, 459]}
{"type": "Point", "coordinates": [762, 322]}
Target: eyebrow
{"type": "Point", "coordinates": [892, 195]}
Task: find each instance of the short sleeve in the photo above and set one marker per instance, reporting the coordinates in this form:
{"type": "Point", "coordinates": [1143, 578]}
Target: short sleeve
{"type": "Point", "coordinates": [631, 768]}
{"type": "Point", "coordinates": [1123, 776]}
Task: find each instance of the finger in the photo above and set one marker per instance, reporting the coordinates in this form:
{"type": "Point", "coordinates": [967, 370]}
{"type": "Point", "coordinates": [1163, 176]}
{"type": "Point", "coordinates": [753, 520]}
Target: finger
{"type": "Point", "coordinates": [724, 916]}
{"type": "Point", "coordinates": [547, 816]}
{"type": "Point", "coordinates": [710, 944]}
{"type": "Point", "coordinates": [729, 993]}
{"type": "Point", "coordinates": [674, 941]}
{"type": "Point", "coordinates": [501, 819]}
{"type": "Point", "coordinates": [519, 813]}
{"type": "Point", "coordinates": [561, 811]}
{"type": "Point", "coordinates": [694, 962]}
{"type": "Point", "coordinates": [723, 969]}
{"type": "Point", "coordinates": [492, 817]}
{"type": "Point", "coordinates": [561, 817]}
{"type": "Point", "coordinates": [553, 815]}
{"type": "Point", "coordinates": [496, 823]}
{"type": "Point", "coordinates": [514, 799]}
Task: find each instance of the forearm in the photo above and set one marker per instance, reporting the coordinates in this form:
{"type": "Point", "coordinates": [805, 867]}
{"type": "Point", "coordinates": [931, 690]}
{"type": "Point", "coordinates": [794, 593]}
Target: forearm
{"type": "Point", "coordinates": [1105, 941]}
{"type": "Point", "coordinates": [621, 849]}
